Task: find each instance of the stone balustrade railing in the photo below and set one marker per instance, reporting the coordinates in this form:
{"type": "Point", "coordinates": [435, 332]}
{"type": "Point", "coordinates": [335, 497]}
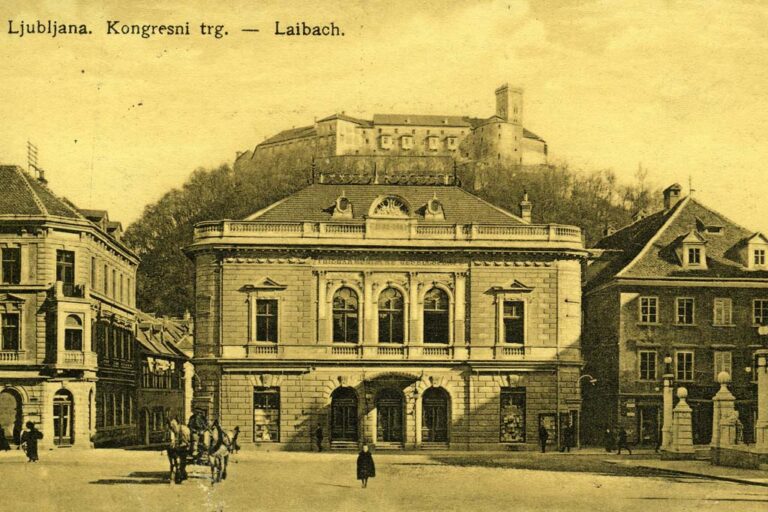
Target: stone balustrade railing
{"type": "Point", "coordinates": [426, 231]}
{"type": "Point", "coordinates": [11, 356]}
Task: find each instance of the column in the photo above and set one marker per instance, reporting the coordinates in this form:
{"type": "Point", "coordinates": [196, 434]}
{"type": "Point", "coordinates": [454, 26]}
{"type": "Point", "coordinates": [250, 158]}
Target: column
{"type": "Point", "coordinates": [321, 310]}
{"type": "Point", "coordinates": [459, 310]}
{"type": "Point", "coordinates": [414, 336]}
{"type": "Point", "coordinates": [666, 425]}
{"type": "Point", "coordinates": [723, 414]}
{"type": "Point", "coordinates": [367, 334]}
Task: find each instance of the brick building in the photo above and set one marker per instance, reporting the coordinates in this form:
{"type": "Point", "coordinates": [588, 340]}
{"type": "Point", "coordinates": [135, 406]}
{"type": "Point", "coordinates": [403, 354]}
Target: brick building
{"type": "Point", "coordinates": [402, 315]}
{"type": "Point", "coordinates": [499, 138]}
{"type": "Point", "coordinates": [66, 292]}
{"type": "Point", "coordinates": [680, 291]}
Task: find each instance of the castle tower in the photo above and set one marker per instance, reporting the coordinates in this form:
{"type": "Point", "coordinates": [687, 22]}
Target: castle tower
{"type": "Point", "coordinates": [509, 104]}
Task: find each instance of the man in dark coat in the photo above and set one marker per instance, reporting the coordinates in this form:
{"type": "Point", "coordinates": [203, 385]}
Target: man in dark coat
{"type": "Point", "coordinates": [365, 466]}
{"type": "Point", "coordinates": [319, 438]}
{"type": "Point", "coordinates": [29, 441]}
{"type": "Point", "coordinates": [568, 438]}
{"type": "Point", "coordinates": [3, 441]}
{"type": "Point", "coordinates": [543, 437]}
{"type": "Point", "coordinates": [608, 440]}
{"type": "Point", "coordinates": [623, 441]}
{"type": "Point", "coordinates": [198, 425]}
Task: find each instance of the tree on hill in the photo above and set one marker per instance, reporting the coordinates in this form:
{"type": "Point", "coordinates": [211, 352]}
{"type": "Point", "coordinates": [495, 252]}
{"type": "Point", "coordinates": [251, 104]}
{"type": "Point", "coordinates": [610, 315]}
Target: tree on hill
{"type": "Point", "coordinates": [165, 284]}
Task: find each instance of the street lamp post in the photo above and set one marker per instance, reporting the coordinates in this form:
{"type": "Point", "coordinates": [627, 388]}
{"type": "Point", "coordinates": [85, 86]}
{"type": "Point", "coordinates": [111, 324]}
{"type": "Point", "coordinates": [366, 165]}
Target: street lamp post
{"type": "Point", "coordinates": [666, 426]}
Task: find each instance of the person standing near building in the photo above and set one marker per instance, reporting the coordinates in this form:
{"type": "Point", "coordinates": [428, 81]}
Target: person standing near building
{"type": "Point", "coordinates": [365, 467]}
{"type": "Point", "coordinates": [609, 441]}
{"type": "Point", "coordinates": [319, 438]}
{"type": "Point", "coordinates": [543, 437]}
{"type": "Point", "coordinates": [623, 441]}
{"type": "Point", "coordinates": [568, 438]}
{"type": "Point", "coordinates": [29, 441]}
{"type": "Point", "coordinates": [3, 441]}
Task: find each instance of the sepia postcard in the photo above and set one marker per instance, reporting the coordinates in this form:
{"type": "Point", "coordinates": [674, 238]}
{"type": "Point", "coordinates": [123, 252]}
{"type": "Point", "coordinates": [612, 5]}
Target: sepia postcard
{"type": "Point", "coordinates": [383, 255]}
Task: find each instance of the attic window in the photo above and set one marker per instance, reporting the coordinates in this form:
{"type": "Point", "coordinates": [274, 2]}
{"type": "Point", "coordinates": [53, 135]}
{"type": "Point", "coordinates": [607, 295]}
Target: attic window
{"type": "Point", "coordinates": [692, 251]}
{"type": "Point", "coordinates": [694, 256]}
{"type": "Point", "coordinates": [343, 208]}
{"type": "Point", "coordinates": [391, 207]}
{"type": "Point", "coordinates": [714, 230]}
{"type": "Point", "coordinates": [434, 210]}
{"type": "Point", "coordinates": [756, 252]}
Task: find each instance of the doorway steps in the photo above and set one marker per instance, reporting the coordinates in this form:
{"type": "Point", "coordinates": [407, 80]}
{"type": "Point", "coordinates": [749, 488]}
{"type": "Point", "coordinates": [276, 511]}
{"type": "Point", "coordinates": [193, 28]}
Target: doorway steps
{"type": "Point", "coordinates": [389, 446]}
{"type": "Point", "coordinates": [434, 446]}
{"type": "Point", "coordinates": [344, 445]}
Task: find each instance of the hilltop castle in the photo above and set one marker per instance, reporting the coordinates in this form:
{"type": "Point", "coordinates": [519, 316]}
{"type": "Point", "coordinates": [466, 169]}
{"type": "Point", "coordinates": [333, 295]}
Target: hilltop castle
{"type": "Point", "coordinates": [498, 138]}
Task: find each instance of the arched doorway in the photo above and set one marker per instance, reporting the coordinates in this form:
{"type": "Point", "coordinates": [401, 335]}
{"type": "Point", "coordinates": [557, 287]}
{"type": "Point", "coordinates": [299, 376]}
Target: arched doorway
{"type": "Point", "coordinates": [389, 416]}
{"type": "Point", "coordinates": [63, 418]}
{"type": "Point", "coordinates": [435, 416]}
{"type": "Point", "coordinates": [344, 414]}
{"type": "Point", "coordinates": [11, 414]}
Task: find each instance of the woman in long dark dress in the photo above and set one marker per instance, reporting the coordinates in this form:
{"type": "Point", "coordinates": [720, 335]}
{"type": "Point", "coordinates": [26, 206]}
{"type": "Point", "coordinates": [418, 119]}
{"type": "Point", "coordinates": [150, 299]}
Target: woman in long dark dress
{"type": "Point", "coordinates": [365, 467]}
{"type": "Point", "coordinates": [29, 441]}
{"type": "Point", "coordinates": [3, 441]}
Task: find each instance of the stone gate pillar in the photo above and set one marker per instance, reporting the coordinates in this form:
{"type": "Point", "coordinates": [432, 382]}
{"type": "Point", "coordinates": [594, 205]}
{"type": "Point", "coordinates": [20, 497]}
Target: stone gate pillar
{"type": "Point", "coordinates": [666, 426]}
{"type": "Point", "coordinates": [761, 426]}
{"type": "Point", "coordinates": [723, 414]}
{"type": "Point", "coordinates": [681, 446]}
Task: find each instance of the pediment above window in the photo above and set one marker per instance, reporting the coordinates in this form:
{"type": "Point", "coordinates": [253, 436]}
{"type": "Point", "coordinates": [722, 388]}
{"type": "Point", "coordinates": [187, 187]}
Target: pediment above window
{"type": "Point", "coordinates": [691, 250]}
{"type": "Point", "coordinates": [756, 254]}
{"type": "Point", "coordinates": [515, 287]}
{"type": "Point", "coordinates": [7, 297]}
{"type": "Point", "coordinates": [263, 284]}
{"type": "Point", "coordinates": [10, 303]}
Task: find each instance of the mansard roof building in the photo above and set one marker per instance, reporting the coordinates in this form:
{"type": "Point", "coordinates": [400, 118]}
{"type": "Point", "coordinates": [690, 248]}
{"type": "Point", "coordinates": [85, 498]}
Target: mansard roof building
{"type": "Point", "coordinates": [402, 315]}
{"type": "Point", "coordinates": [680, 291]}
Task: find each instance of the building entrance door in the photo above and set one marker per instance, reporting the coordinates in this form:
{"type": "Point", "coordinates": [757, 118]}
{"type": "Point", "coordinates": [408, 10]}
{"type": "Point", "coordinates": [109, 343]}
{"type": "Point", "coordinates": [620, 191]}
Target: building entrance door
{"type": "Point", "coordinates": [434, 418]}
{"type": "Point", "coordinates": [63, 432]}
{"type": "Point", "coordinates": [10, 414]}
{"type": "Point", "coordinates": [701, 419]}
{"type": "Point", "coordinates": [344, 415]}
{"type": "Point", "coordinates": [648, 425]}
{"type": "Point", "coordinates": [389, 417]}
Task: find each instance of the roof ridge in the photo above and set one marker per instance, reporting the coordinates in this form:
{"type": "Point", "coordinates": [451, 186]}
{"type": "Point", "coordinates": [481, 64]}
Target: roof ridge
{"type": "Point", "coordinates": [678, 208]}
{"type": "Point", "coordinates": [723, 217]}
{"type": "Point", "coordinates": [38, 202]}
{"type": "Point", "coordinates": [498, 208]}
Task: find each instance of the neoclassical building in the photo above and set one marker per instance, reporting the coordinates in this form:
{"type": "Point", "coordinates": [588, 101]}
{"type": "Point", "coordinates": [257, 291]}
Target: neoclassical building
{"type": "Point", "coordinates": [68, 316]}
{"type": "Point", "coordinates": [406, 316]}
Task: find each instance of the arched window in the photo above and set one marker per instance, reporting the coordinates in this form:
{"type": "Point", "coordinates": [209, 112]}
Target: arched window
{"type": "Point", "coordinates": [73, 333]}
{"type": "Point", "coordinates": [436, 317]}
{"type": "Point", "coordinates": [391, 316]}
{"type": "Point", "coordinates": [391, 207]}
{"type": "Point", "coordinates": [345, 316]}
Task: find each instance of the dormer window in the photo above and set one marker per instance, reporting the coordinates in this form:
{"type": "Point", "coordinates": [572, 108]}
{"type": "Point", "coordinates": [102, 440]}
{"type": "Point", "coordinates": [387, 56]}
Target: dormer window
{"type": "Point", "coordinates": [343, 208]}
{"type": "Point", "coordinates": [692, 251]}
{"type": "Point", "coordinates": [390, 206]}
{"type": "Point", "coordinates": [756, 252]}
{"type": "Point", "coordinates": [434, 210]}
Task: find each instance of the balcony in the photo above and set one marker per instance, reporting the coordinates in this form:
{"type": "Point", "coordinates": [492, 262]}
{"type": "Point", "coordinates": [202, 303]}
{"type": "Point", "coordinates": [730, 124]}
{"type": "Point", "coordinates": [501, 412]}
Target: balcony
{"type": "Point", "coordinates": [64, 290]}
{"type": "Point", "coordinates": [76, 359]}
{"type": "Point", "coordinates": [12, 356]}
{"type": "Point", "coordinates": [301, 232]}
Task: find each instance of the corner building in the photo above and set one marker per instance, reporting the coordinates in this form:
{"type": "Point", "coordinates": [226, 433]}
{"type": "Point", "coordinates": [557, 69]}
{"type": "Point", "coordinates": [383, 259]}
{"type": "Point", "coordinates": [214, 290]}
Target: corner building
{"type": "Point", "coordinates": [401, 315]}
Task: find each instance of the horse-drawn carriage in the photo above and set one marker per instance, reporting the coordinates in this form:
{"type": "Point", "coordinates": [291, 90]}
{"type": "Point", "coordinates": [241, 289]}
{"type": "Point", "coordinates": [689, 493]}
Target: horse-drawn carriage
{"type": "Point", "coordinates": [210, 446]}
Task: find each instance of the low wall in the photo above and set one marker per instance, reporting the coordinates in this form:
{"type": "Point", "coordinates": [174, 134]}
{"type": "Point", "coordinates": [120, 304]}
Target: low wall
{"type": "Point", "coordinates": [738, 458]}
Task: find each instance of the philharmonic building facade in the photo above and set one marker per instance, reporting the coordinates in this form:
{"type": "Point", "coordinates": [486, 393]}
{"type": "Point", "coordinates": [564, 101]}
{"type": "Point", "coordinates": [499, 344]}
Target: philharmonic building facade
{"type": "Point", "coordinates": [402, 315]}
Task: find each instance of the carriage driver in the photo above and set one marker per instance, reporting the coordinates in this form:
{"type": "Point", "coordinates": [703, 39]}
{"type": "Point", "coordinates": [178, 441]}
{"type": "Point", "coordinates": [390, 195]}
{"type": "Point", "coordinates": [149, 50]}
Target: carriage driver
{"type": "Point", "coordinates": [198, 425]}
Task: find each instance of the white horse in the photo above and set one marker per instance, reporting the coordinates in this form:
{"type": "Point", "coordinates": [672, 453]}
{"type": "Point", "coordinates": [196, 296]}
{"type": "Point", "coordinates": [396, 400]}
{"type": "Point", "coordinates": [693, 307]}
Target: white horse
{"type": "Point", "coordinates": [177, 450]}
{"type": "Point", "coordinates": [219, 447]}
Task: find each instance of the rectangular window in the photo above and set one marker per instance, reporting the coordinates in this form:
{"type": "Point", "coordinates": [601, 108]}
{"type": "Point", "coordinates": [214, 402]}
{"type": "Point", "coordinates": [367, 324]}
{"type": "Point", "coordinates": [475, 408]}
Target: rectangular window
{"type": "Point", "coordinates": [10, 335]}
{"type": "Point", "coordinates": [11, 270]}
{"type": "Point", "coordinates": [93, 272]}
{"type": "Point", "coordinates": [723, 363]}
{"type": "Point", "coordinates": [512, 415]}
{"type": "Point", "coordinates": [65, 270]}
{"type": "Point", "coordinates": [723, 312]}
{"type": "Point", "coordinates": [266, 320]}
{"type": "Point", "coordinates": [684, 306]}
{"type": "Point", "coordinates": [73, 339]}
{"type": "Point", "coordinates": [759, 257]}
{"type": "Point", "coordinates": [514, 321]}
{"type": "Point", "coordinates": [114, 284]}
{"type": "Point", "coordinates": [122, 288]}
{"type": "Point", "coordinates": [648, 359]}
{"type": "Point", "coordinates": [684, 365]}
{"type": "Point", "coordinates": [694, 256]}
{"type": "Point", "coordinates": [105, 284]}
{"type": "Point", "coordinates": [760, 311]}
{"type": "Point", "coordinates": [266, 414]}
{"type": "Point", "coordinates": [649, 310]}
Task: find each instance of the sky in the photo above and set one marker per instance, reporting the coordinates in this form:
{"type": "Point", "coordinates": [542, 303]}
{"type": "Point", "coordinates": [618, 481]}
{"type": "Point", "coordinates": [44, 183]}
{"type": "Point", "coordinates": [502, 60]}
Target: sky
{"type": "Point", "coordinates": [680, 88]}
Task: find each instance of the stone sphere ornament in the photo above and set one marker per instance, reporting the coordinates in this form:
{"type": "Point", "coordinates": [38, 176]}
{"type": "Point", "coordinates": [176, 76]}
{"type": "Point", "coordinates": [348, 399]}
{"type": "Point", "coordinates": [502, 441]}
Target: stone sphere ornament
{"type": "Point", "coordinates": [723, 377]}
{"type": "Point", "coordinates": [682, 393]}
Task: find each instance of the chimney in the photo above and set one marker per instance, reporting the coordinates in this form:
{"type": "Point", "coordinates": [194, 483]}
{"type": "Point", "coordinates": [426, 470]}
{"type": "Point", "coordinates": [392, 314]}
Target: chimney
{"type": "Point", "coordinates": [671, 196]}
{"type": "Point", "coordinates": [525, 208]}
{"type": "Point", "coordinates": [41, 176]}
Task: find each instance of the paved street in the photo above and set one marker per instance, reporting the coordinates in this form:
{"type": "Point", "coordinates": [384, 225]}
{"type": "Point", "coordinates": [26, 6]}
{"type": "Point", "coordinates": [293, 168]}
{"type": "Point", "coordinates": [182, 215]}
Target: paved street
{"type": "Point", "coordinates": [117, 480]}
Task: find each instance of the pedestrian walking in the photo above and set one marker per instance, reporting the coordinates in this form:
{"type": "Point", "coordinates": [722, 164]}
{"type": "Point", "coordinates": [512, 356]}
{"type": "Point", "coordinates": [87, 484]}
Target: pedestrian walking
{"type": "Point", "coordinates": [365, 467]}
{"type": "Point", "coordinates": [319, 438]}
{"type": "Point", "coordinates": [623, 441]}
{"type": "Point", "coordinates": [543, 437]}
{"type": "Point", "coordinates": [568, 438]}
{"type": "Point", "coordinates": [29, 441]}
{"type": "Point", "coordinates": [609, 441]}
{"type": "Point", "coordinates": [3, 441]}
